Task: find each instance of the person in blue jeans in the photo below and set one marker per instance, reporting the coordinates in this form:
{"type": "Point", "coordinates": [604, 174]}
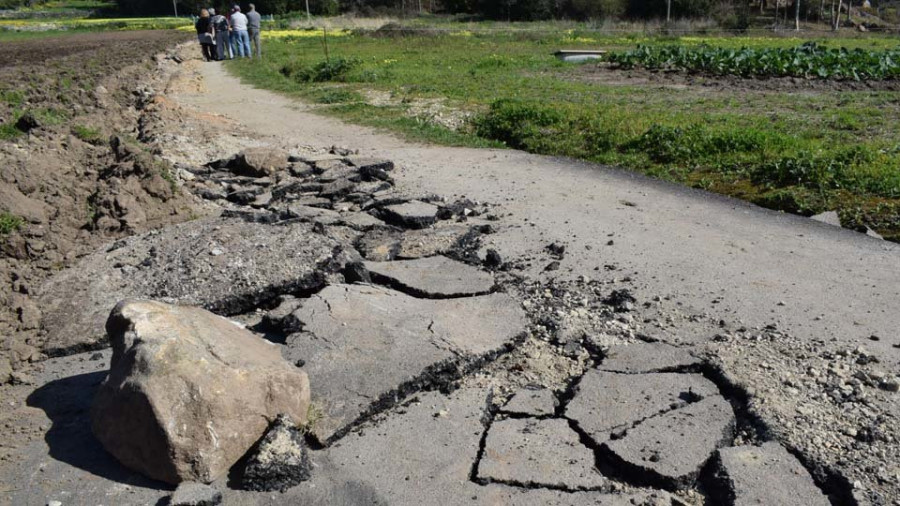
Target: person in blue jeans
{"type": "Point", "coordinates": [239, 33]}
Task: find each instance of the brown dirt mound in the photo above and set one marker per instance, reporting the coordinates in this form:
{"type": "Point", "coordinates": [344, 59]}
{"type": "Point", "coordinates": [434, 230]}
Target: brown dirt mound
{"type": "Point", "coordinates": [79, 177]}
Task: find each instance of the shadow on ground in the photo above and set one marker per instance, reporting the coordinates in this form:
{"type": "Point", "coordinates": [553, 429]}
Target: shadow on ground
{"type": "Point", "coordinates": [67, 402]}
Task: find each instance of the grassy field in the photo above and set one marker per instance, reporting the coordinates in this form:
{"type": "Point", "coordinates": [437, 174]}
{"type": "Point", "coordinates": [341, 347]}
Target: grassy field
{"type": "Point", "coordinates": [802, 150]}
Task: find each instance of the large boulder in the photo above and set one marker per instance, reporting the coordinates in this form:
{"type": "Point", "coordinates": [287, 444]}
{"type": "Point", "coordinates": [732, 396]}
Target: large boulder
{"type": "Point", "coordinates": [189, 392]}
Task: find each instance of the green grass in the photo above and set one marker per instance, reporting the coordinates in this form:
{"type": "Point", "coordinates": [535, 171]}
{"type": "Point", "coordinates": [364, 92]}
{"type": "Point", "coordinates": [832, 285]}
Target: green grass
{"type": "Point", "coordinates": [87, 134]}
{"type": "Point", "coordinates": [9, 223]}
{"type": "Point", "coordinates": [802, 152]}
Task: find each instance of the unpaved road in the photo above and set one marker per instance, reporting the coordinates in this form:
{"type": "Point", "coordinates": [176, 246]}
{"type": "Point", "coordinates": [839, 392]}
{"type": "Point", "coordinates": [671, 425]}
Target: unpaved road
{"type": "Point", "coordinates": [736, 262]}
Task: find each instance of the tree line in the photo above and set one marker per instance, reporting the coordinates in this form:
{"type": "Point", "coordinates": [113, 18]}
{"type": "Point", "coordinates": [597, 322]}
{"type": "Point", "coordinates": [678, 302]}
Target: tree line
{"type": "Point", "coordinates": [730, 13]}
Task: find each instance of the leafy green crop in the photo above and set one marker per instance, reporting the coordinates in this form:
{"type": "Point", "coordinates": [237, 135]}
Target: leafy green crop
{"type": "Point", "coordinates": [807, 60]}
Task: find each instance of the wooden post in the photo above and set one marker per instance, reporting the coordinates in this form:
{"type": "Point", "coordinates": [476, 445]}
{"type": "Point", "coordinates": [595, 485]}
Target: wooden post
{"type": "Point", "coordinates": [797, 15]}
{"type": "Point", "coordinates": [308, 16]}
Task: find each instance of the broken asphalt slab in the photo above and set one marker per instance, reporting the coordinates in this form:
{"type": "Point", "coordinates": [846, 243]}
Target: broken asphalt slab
{"type": "Point", "coordinates": [223, 265]}
{"type": "Point", "coordinates": [607, 403]}
{"type": "Point", "coordinates": [670, 450]}
{"type": "Point", "coordinates": [436, 277]}
{"type": "Point", "coordinates": [387, 243]}
{"type": "Point", "coordinates": [531, 402]}
{"type": "Point", "coordinates": [531, 452]}
{"type": "Point", "coordinates": [647, 357]}
{"type": "Point", "coordinates": [414, 214]}
{"type": "Point", "coordinates": [766, 474]}
{"type": "Point", "coordinates": [365, 347]}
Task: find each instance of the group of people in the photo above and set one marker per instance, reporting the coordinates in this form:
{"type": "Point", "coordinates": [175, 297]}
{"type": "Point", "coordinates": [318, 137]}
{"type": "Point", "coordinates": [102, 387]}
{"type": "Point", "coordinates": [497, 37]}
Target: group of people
{"type": "Point", "coordinates": [228, 36]}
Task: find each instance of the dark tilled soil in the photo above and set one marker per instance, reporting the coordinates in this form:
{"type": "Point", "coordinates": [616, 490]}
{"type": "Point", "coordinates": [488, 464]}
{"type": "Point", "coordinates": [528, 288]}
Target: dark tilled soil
{"type": "Point", "coordinates": [127, 47]}
{"type": "Point", "coordinates": [605, 73]}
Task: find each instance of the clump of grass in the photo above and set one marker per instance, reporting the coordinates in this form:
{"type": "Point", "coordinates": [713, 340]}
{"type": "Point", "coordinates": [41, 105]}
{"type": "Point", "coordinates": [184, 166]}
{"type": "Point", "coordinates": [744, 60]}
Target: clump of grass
{"type": "Point", "coordinates": [9, 223]}
{"type": "Point", "coordinates": [333, 69]}
{"type": "Point", "coordinates": [88, 134]}
{"type": "Point", "coordinates": [314, 414]}
{"type": "Point", "coordinates": [337, 96]}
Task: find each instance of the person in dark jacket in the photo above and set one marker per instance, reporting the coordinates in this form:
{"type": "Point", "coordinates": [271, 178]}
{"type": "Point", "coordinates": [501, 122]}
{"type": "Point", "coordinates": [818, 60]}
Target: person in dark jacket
{"type": "Point", "coordinates": [220, 24]}
{"type": "Point", "coordinates": [205, 35]}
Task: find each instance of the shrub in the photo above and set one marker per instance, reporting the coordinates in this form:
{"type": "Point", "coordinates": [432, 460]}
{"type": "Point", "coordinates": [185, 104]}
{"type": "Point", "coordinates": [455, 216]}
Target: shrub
{"type": "Point", "coordinates": [333, 69]}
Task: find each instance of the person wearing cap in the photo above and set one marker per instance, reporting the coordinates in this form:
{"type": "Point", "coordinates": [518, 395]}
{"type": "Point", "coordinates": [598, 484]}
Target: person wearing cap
{"type": "Point", "coordinates": [220, 24]}
{"type": "Point", "coordinates": [239, 32]}
{"type": "Point", "coordinates": [253, 25]}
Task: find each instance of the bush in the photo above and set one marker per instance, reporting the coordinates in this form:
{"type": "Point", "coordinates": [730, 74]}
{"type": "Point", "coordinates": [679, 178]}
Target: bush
{"type": "Point", "coordinates": [333, 69]}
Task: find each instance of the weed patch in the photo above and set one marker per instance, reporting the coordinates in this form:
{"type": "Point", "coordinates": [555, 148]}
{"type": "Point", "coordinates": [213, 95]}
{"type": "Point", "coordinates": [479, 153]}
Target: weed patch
{"type": "Point", "coordinates": [9, 223]}
{"type": "Point", "coordinates": [87, 134]}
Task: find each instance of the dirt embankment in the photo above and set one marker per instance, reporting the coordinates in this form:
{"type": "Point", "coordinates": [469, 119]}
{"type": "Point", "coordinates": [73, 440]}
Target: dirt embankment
{"type": "Point", "coordinates": [74, 170]}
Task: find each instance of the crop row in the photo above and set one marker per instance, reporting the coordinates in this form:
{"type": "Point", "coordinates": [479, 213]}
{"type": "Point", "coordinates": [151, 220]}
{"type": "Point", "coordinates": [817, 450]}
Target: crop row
{"type": "Point", "coordinates": [807, 60]}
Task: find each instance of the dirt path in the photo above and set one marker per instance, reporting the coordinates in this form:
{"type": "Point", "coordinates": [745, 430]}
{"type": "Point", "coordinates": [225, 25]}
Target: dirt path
{"type": "Point", "coordinates": [734, 261]}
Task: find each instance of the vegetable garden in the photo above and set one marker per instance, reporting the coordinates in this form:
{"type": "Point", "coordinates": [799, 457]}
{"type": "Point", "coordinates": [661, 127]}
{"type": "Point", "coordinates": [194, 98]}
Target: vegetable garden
{"type": "Point", "coordinates": [807, 60]}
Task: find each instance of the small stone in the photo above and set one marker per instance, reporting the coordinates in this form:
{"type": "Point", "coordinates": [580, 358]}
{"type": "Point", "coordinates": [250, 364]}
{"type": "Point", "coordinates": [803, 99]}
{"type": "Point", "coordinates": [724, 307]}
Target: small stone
{"type": "Point", "coordinates": [281, 460]}
{"type": "Point", "coordinates": [492, 259]}
{"type": "Point", "coordinates": [890, 385]}
{"type": "Point", "coordinates": [20, 378]}
{"type": "Point", "coordinates": [54, 503]}
{"type": "Point", "coordinates": [190, 493]}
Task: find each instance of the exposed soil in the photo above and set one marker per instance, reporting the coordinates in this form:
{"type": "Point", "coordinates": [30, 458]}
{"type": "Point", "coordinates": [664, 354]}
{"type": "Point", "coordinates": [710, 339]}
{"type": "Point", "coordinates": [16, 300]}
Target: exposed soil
{"type": "Point", "coordinates": [115, 49]}
{"type": "Point", "coordinates": [605, 73]}
{"type": "Point", "coordinates": [72, 187]}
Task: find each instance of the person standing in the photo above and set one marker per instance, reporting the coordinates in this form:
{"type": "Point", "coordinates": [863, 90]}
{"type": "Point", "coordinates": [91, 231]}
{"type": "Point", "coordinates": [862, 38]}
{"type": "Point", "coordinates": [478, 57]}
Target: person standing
{"type": "Point", "coordinates": [239, 32]}
{"type": "Point", "coordinates": [205, 35]}
{"type": "Point", "coordinates": [220, 24]}
{"type": "Point", "coordinates": [253, 26]}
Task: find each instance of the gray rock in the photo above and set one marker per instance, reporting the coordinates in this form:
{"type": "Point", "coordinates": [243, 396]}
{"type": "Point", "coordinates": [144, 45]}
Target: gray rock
{"type": "Point", "coordinates": [280, 461]}
{"type": "Point", "coordinates": [436, 277]}
{"type": "Point", "coordinates": [531, 402]}
{"type": "Point", "coordinates": [538, 452]}
{"type": "Point", "coordinates": [829, 217]}
{"type": "Point", "coordinates": [373, 169]}
{"type": "Point", "coordinates": [258, 162]}
{"type": "Point", "coordinates": [287, 304]}
{"type": "Point", "coordinates": [669, 450]}
{"type": "Point", "coordinates": [259, 263]}
{"type": "Point", "coordinates": [873, 234]}
{"type": "Point", "coordinates": [647, 357]}
{"type": "Point", "coordinates": [189, 392]}
{"type": "Point", "coordinates": [365, 347]}
{"type": "Point", "coordinates": [190, 493]}
{"type": "Point", "coordinates": [383, 244]}
{"type": "Point", "coordinates": [767, 474]}
{"type": "Point", "coordinates": [607, 403]}
{"type": "Point", "coordinates": [414, 214]}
